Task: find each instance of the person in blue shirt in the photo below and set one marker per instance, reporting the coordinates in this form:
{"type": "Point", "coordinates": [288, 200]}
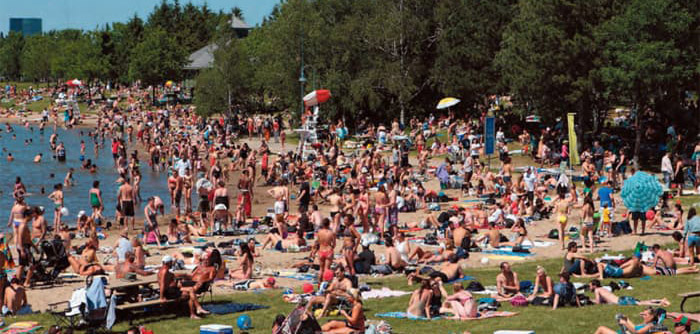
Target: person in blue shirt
{"type": "Point", "coordinates": [649, 318]}
{"type": "Point", "coordinates": [691, 232]}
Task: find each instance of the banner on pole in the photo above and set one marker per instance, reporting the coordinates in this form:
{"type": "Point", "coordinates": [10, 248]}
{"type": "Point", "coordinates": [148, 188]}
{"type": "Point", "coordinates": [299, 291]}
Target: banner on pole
{"type": "Point", "coordinates": [490, 135]}
{"type": "Point", "coordinates": [573, 150]}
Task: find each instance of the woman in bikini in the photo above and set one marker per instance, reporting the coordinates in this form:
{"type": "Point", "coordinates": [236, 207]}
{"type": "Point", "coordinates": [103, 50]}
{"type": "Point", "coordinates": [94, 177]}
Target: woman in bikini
{"type": "Point", "coordinates": [57, 197]}
{"type": "Point", "coordinates": [461, 303]}
{"type": "Point", "coordinates": [354, 321]}
{"type": "Point", "coordinates": [542, 280]}
{"type": "Point", "coordinates": [587, 224]}
{"type": "Point", "coordinates": [350, 242]}
{"type": "Point", "coordinates": [245, 264]}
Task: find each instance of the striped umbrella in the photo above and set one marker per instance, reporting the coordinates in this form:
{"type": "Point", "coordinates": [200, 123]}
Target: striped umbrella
{"type": "Point", "coordinates": [641, 192]}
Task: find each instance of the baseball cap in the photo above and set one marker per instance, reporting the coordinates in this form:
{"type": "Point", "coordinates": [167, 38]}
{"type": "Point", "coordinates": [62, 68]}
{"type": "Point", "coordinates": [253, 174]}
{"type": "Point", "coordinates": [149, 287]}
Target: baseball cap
{"type": "Point", "coordinates": [271, 281]}
{"type": "Point", "coordinates": [681, 319]}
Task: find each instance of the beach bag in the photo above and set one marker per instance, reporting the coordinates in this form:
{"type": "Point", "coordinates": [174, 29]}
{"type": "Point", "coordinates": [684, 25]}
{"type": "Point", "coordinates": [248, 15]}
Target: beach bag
{"type": "Point", "coordinates": [519, 249]}
{"type": "Point", "coordinates": [553, 234]}
{"type": "Point", "coordinates": [540, 301]}
{"type": "Point", "coordinates": [381, 269]}
{"type": "Point", "coordinates": [475, 286]}
{"type": "Point", "coordinates": [526, 286]}
{"type": "Point", "coordinates": [519, 301]}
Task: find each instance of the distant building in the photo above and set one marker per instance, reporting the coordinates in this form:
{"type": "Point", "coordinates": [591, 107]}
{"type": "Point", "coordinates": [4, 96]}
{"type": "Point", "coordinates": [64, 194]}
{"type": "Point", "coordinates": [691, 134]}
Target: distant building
{"type": "Point", "coordinates": [27, 26]}
{"type": "Point", "coordinates": [204, 57]}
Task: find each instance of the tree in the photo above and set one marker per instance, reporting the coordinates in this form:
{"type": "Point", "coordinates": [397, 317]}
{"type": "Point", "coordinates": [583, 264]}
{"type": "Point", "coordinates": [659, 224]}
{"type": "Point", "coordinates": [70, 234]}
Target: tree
{"type": "Point", "coordinates": [468, 38]}
{"type": "Point", "coordinates": [644, 60]}
{"type": "Point", "coordinates": [36, 58]}
{"type": "Point", "coordinates": [549, 58]}
{"type": "Point", "coordinates": [157, 58]}
{"type": "Point", "coordinates": [11, 55]}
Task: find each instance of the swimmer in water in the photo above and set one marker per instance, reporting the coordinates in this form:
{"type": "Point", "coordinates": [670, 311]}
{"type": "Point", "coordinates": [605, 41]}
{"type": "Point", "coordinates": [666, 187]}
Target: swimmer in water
{"type": "Point", "coordinates": [10, 158]}
{"type": "Point", "coordinates": [37, 158]}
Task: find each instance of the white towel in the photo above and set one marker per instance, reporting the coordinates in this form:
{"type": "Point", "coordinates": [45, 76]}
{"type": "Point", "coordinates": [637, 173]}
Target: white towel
{"type": "Point", "coordinates": [78, 298]}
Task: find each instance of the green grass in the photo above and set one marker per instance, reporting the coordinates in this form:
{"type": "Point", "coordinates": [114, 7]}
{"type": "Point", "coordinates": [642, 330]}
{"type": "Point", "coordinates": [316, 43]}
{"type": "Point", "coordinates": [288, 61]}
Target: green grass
{"type": "Point", "coordinates": [538, 318]}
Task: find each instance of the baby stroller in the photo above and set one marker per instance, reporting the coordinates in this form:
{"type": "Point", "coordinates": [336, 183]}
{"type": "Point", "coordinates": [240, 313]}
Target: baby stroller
{"type": "Point", "coordinates": [51, 262]}
{"type": "Point", "coordinates": [296, 324]}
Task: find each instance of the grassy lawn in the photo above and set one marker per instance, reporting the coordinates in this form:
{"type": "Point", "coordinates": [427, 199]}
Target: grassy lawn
{"type": "Point", "coordinates": [538, 318]}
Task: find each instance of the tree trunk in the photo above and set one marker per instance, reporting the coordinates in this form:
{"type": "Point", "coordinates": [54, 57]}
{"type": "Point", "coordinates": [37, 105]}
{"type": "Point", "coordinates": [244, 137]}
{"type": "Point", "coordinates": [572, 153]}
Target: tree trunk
{"type": "Point", "coordinates": [637, 137]}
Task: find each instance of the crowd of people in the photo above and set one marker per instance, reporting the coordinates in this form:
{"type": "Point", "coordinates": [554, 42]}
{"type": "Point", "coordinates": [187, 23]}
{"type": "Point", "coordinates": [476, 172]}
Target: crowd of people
{"type": "Point", "coordinates": [214, 177]}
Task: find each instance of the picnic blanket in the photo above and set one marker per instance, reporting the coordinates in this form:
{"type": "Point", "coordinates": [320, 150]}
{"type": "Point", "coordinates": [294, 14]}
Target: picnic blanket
{"type": "Point", "coordinates": [22, 327]}
{"type": "Point", "coordinates": [505, 257]}
{"type": "Point", "coordinates": [404, 315]}
{"type": "Point", "coordinates": [383, 293]}
{"type": "Point", "coordinates": [228, 308]}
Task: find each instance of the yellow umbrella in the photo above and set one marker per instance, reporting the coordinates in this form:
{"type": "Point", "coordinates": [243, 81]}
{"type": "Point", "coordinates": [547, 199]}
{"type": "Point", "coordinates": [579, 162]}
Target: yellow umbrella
{"type": "Point", "coordinates": [447, 102]}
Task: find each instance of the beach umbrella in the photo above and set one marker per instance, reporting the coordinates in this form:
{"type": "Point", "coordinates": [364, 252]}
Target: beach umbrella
{"type": "Point", "coordinates": [448, 102]}
{"type": "Point", "coordinates": [317, 97]}
{"type": "Point", "coordinates": [641, 192]}
{"type": "Point", "coordinates": [74, 83]}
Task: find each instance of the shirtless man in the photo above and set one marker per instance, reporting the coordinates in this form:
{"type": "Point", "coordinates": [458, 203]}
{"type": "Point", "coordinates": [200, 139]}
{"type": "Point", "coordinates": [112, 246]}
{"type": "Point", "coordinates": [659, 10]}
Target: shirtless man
{"type": "Point", "coordinates": [129, 266]}
{"type": "Point", "coordinates": [603, 296]}
{"type": "Point", "coordinates": [169, 288]}
{"type": "Point", "coordinates": [667, 267]}
{"type": "Point", "coordinates": [339, 287]}
{"type": "Point", "coordinates": [507, 284]}
{"type": "Point", "coordinates": [245, 196]}
{"type": "Point", "coordinates": [326, 245]}
{"type": "Point", "coordinates": [632, 268]}
{"type": "Point", "coordinates": [24, 245]}
{"type": "Point", "coordinates": [39, 226]}
{"type": "Point", "coordinates": [125, 199]}
{"type": "Point", "coordinates": [451, 269]}
{"type": "Point", "coordinates": [493, 236]}
{"type": "Point", "coordinates": [281, 196]}
{"type": "Point", "coordinates": [316, 217]}
{"type": "Point", "coordinates": [337, 204]}
{"type": "Point", "coordinates": [393, 258]}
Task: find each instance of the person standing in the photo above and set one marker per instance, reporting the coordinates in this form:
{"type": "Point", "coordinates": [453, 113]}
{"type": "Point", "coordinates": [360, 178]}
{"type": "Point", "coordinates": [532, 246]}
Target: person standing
{"type": "Point", "coordinates": [667, 169]}
{"type": "Point", "coordinates": [125, 199]}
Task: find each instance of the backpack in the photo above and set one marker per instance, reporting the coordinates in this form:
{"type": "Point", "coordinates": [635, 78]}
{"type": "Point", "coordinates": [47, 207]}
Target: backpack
{"type": "Point", "coordinates": [553, 234]}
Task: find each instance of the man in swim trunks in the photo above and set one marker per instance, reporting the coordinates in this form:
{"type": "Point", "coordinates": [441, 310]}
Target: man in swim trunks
{"type": "Point", "coordinates": [281, 196]}
{"type": "Point", "coordinates": [507, 284]}
{"type": "Point", "coordinates": [125, 199]}
{"type": "Point", "coordinates": [667, 267]}
{"type": "Point", "coordinates": [631, 268]}
{"type": "Point", "coordinates": [325, 238]}
{"type": "Point", "coordinates": [24, 246]}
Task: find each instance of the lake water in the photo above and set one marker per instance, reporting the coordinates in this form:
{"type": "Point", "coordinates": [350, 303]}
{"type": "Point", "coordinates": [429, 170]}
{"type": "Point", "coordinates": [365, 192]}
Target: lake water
{"type": "Point", "coordinates": [35, 176]}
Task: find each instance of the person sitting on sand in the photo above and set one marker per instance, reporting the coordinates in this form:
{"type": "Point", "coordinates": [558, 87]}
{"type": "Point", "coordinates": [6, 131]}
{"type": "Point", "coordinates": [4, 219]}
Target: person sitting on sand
{"type": "Point", "coordinates": [492, 237]}
{"type": "Point", "coordinates": [87, 264]}
{"type": "Point", "coordinates": [461, 303]}
{"type": "Point", "coordinates": [245, 264]}
{"type": "Point", "coordinates": [604, 296]}
{"type": "Point", "coordinates": [631, 268]}
{"type": "Point", "coordinates": [252, 284]}
{"type": "Point", "coordinates": [507, 284]}
{"type": "Point", "coordinates": [15, 297]}
{"type": "Point", "coordinates": [440, 255]}
{"type": "Point", "coordinates": [354, 321]}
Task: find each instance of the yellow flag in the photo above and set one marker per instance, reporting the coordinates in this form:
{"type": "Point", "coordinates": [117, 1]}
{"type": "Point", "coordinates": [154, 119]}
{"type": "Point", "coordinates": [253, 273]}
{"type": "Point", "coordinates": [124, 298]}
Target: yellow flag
{"type": "Point", "coordinates": [573, 152]}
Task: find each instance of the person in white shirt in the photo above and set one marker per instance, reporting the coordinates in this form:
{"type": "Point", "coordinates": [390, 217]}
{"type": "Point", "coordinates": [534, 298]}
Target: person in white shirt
{"type": "Point", "coordinates": [530, 179]}
{"type": "Point", "coordinates": [667, 169]}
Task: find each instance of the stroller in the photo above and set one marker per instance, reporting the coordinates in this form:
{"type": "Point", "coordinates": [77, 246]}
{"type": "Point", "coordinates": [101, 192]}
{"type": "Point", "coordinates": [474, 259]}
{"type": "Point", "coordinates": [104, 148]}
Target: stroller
{"type": "Point", "coordinates": [51, 262]}
{"type": "Point", "coordinates": [296, 324]}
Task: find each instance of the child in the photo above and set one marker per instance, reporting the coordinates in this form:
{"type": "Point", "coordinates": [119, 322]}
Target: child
{"type": "Point", "coordinates": [607, 216]}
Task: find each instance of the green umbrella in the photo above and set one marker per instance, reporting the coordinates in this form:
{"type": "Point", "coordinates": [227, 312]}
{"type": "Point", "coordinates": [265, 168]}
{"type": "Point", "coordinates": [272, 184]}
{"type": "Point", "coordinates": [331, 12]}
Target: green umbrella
{"type": "Point", "coordinates": [641, 192]}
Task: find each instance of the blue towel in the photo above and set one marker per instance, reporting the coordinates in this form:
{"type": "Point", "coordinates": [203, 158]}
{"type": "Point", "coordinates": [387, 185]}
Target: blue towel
{"type": "Point", "coordinates": [503, 252]}
{"type": "Point", "coordinates": [95, 294]}
{"type": "Point", "coordinates": [112, 311]}
{"type": "Point", "coordinates": [232, 308]}
{"type": "Point", "coordinates": [403, 315]}
{"type": "Point", "coordinates": [465, 278]}
{"type": "Point", "coordinates": [301, 277]}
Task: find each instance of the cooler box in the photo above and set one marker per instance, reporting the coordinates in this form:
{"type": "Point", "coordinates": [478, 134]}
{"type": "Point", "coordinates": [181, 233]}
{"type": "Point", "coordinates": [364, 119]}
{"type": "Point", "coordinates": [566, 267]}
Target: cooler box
{"type": "Point", "coordinates": [215, 329]}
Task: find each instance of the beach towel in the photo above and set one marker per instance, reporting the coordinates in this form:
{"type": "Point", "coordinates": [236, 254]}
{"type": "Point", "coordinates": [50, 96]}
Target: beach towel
{"type": "Point", "coordinates": [457, 280]}
{"type": "Point", "coordinates": [299, 276]}
{"type": "Point", "coordinates": [491, 314]}
{"type": "Point", "coordinates": [229, 308]}
{"type": "Point", "coordinates": [505, 252]}
{"type": "Point", "coordinates": [506, 257]}
{"type": "Point", "coordinates": [112, 312]}
{"type": "Point", "coordinates": [22, 327]}
{"type": "Point", "coordinates": [95, 295]}
{"type": "Point", "coordinates": [538, 243]}
{"type": "Point", "coordinates": [77, 299]}
{"type": "Point", "coordinates": [403, 315]}
{"type": "Point", "coordinates": [383, 293]}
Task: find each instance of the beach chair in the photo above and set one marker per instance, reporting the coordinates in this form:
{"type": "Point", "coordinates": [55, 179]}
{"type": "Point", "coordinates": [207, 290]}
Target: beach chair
{"type": "Point", "coordinates": [88, 309]}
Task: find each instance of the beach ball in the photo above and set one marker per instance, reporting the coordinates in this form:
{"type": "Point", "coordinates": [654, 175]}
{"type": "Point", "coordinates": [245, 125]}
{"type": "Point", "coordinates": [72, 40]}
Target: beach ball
{"type": "Point", "coordinates": [307, 288]}
{"type": "Point", "coordinates": [244, 322]}
{"type": "Point", "coordinates": [64, 212]}
{"type": "Point", "coordinates": [651, 214]}
{"type": "Point", "coordinates": [484, 260]}
{"type": "Point", "coordinates": [328, 275]}
{"type": "Point", "coordinates": [169, 83]}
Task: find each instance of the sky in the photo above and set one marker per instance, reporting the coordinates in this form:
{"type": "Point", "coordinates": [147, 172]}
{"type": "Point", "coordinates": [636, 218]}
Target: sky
{"type": "Point", "coordinates": [89, 14]}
